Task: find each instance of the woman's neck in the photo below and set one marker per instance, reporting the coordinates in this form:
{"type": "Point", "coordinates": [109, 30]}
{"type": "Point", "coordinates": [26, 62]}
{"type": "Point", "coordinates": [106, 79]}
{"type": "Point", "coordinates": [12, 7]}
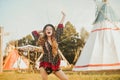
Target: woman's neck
{"type": "Point", "coordinates": [49, 40]}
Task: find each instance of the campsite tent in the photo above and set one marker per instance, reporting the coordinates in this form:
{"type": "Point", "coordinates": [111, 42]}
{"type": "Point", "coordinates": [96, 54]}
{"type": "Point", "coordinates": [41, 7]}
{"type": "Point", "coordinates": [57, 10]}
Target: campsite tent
{"type": "Point", "coordinates": [102, 49]}
{"type": "Point", "coordinates": [15, 61]}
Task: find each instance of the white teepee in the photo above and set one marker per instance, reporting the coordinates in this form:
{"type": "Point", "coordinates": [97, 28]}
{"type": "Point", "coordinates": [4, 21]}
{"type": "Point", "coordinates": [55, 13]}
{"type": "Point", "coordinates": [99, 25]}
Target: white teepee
{"type": "Point", "coordinates": [102, 49]}
{"type": "Point", "coordinates": [20, 64]}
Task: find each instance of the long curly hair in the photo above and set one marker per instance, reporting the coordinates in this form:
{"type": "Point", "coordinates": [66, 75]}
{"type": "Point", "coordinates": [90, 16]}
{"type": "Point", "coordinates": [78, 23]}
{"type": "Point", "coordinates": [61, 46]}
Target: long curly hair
{"type": "Point", "coordinates": [41, 40]}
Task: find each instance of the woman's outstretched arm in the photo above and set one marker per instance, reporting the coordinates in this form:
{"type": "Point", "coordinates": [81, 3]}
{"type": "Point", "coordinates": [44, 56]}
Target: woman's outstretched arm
{"type": "Point", "coordinates": [63, 18]}
{"type": "Point", "coordinates": [59, 30]}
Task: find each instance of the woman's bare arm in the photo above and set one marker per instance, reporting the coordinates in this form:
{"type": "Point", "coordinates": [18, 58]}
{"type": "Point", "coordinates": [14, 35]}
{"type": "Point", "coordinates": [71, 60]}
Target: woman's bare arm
{"type": "Point", "coordinates": [63, 18]}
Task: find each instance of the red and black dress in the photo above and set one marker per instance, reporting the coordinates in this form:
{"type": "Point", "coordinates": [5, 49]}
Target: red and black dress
{"type": "Point", "coordinates": [48, 61]}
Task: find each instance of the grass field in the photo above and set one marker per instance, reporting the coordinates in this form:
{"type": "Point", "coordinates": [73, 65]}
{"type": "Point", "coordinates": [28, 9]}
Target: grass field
{"type": "Point", "coordinates": [99, 75]}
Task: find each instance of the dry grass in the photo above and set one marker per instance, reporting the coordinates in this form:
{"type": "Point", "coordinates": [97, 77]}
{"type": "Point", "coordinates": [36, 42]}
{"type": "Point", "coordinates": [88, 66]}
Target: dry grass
{"type": "Point", "coordinates": [104, 75]}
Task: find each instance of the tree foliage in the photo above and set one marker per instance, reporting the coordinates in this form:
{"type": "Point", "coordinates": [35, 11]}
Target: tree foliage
{"type": "Point", "coordinates": [84, 34]}
{"type": "Point", "coordinates": [81, 42]}
{"type": "Point", "coordinates": [69, 42]}
{"type": "Point", "coordinates": [27, 40]}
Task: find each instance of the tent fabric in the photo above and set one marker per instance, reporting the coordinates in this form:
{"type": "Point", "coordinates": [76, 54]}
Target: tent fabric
{"type": "Point", "coordinates": [20, 63]}
{"type": "Point", "coordinates": [63, 63]}
{"type": "Point", "coordinates": [105, 12]}
{"type": "Point", "coordinates": [101, 52]}
{"type": "Point", "coordinates": [14, 61]}
{"type": "Point", "coordinates": [102, 49]}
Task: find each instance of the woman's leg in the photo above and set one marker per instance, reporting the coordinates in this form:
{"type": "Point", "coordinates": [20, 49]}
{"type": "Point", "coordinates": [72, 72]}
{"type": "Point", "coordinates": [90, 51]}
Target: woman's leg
{"type": "Point", "coordinates": [43, 73]}
{"type": "Point", "coordinates": [61, 75]}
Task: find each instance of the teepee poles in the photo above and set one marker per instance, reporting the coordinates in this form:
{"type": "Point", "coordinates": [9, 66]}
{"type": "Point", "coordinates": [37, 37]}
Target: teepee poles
{"type": "Point", "coordinates": [99, 9]}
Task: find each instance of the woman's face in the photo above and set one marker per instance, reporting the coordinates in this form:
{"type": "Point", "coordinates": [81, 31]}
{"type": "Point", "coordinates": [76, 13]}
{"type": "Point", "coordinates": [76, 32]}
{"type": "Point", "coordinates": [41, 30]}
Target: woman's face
{"type": "Point", "coordinates": [49, 31]}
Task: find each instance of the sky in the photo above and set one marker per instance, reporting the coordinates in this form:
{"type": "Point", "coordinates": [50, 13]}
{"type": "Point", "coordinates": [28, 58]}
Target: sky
{"type": "Point", "coordinates": [21, 17]}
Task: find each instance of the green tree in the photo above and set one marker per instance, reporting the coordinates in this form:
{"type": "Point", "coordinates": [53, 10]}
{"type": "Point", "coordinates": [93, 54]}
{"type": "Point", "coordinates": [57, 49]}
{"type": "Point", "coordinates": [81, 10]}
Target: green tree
{"type": "Point", "coordinates": [84, 34]}
{"type": "Point", "coordinates": [27, 40]}
{"type": "Point", "coordinates": [69, 42]}
{"type": "Point", "coordinates": [81, 42]}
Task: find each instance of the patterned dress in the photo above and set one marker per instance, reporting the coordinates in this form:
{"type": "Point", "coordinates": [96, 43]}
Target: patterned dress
{"type": "Point", "coordinates": [48, 60]}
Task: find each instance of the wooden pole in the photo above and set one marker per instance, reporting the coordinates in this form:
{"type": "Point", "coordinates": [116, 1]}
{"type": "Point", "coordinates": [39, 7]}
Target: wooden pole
{"type": "Point", "coordinates": [1, 55]}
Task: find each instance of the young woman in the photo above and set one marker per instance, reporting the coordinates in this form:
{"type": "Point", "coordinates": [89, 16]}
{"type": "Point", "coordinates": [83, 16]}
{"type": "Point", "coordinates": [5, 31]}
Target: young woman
{"type": "Point", "coordinates": [50, 61]}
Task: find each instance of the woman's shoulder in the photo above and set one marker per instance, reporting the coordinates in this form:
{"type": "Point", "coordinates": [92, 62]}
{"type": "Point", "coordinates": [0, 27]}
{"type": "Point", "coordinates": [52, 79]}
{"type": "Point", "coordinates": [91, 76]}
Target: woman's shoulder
{"type": "Point", "coordinates": [60, 25]}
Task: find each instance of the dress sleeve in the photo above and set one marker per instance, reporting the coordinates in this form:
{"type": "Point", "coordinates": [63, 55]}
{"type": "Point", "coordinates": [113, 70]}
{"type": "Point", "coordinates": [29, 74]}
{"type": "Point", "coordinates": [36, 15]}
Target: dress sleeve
{"type": "Point", "coordinates": [59, 32]}
{"type": "Point", "coordinates": [35, 34]}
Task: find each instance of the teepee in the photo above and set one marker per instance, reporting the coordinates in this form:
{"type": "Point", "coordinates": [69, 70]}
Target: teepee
{"type": "Point", "coordinates": [102, 49]}
{"type": "Point", "coordinates": [14, 61]}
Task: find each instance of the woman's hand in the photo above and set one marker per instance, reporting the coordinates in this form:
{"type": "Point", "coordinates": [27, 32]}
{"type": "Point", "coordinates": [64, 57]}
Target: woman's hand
{"type": "Point", "coordinates": [63, 13]}
{"type": "Point", "coordinates": [63, 17]}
